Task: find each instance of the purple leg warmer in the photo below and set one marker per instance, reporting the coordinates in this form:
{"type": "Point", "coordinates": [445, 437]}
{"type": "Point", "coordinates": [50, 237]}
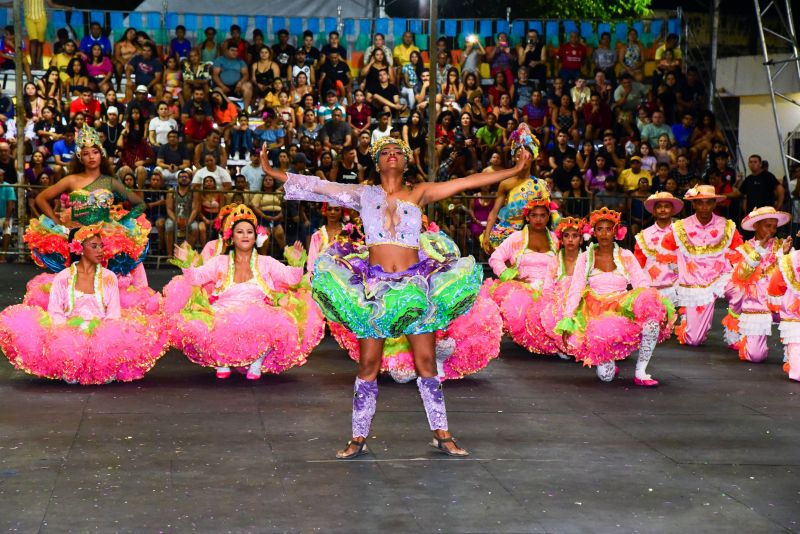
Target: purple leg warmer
{"type": "Point", "coordinates": [365, 401]}
{"type": "Point", "coordinates": [430, 389]}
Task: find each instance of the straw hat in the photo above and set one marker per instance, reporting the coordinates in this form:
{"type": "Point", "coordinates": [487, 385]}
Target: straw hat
{"type": "Point", "coordinates": [663, 196]}
{"type": "Point", "coordinates": [760, 214]}
{"type": "Point", "coordinates": [702, 192]}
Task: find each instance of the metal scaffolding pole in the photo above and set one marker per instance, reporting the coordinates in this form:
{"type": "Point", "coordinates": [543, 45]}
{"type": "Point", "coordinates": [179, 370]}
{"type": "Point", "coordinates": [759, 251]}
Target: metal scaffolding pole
{"type": "Point", "coordinates": [785, 35]}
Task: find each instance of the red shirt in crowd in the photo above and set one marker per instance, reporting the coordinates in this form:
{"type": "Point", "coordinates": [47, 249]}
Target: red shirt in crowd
{"type": "Point", "coordinates": [198, 131]}
{"type": "Point", "coordinates": [91, 110]}
{"type": "Point", "coordinates": [571, 56]}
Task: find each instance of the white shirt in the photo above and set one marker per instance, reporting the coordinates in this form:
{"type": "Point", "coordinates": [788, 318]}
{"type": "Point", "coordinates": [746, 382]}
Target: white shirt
{"type": "Point", "coordinates": [162, 128]}
{"type": "Point", "coordinates": [220, 175]}
{"type": "Point", "coordinates": [377, 133]}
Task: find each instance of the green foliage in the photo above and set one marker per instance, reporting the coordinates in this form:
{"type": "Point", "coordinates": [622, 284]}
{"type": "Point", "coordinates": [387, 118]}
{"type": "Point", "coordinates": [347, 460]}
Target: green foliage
{"type": "Point", "coordinates": [541, 9]}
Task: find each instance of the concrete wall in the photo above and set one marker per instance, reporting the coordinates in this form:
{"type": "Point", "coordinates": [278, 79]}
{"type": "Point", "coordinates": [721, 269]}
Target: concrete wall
{"type": "Point", "coordinates": [757, 127]}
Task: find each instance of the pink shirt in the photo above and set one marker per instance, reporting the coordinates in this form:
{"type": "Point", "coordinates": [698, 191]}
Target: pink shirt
{"type": "Point", "coordinates": [658, 263]}
{"type": "Point", "coordinates": [532, 267]}
{"type": "Point", "coordinates": [102, 305]}
{"type": "Point", "coordinates": [753, 274]}
{"type": "Point", "coordinates": [626, 271]}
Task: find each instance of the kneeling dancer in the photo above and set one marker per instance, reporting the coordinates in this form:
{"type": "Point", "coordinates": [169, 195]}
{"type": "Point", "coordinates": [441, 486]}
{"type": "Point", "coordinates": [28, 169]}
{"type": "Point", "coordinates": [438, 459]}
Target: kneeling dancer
{"type": "Point", "coordinates": [603, 321]}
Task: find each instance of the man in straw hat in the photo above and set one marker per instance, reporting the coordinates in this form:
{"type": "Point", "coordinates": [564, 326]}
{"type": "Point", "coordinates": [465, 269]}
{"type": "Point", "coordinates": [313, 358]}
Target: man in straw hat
{"type": "Point", "coordinates": [705, 245]}
{"type": "Point", "coordinates": [750, 279]}
{"type": "Point", "coordinates": [659, 264]}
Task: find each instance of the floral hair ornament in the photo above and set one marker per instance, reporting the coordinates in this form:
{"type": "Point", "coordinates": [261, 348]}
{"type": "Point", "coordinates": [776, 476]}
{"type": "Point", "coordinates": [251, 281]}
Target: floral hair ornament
{"type": "Point", "coordinates": [605, 214]}
{"type": "Point", "coordinates": [239, 213]}
{"type": "Point", "coordinates": [224, 212]}
{"type": "Point", "coordinates": [523, 138]}
{"type": "Point", "coordinates": [568, 223]}
{"type": "Point", "coordinates": [379, 144]}
{"type": "Point", "coordinates": [82, 234]}
{"type": "Point", "coordinates": [87, 137]}
{"type": "Point", "coordinates": [262, 234]}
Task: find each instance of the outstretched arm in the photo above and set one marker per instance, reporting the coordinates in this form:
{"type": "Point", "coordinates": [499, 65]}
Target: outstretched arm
{"type": "Point", "coordinates": [434, 192]}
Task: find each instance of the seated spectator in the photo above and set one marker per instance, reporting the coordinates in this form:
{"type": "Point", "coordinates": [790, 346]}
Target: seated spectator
{"type": "Point", "coordinates": [384, 126]}
{"type": "Point", "coordinates": [207, 204]}
{"type": "Point", "coordinates": [474, 106]}
{"type": "Point", "coordinates": [452, 90]}
{"type": "Point", "coordinates": [500, 58]}
{"type": "Point", "coordinates": [334, 75]}
{"type": "Point", "coordinates": [48, 128]}
{"type": "Point", "coordinates": [311, 127]}
{"type": "Point", "coordinates": [111, 129]}
{"type": "Point", "coordinates": [270, 133]}
{"type": "Point", "coordinates": [691, 94]}
{"type": "Point", "coordinates": [253, 172]}
{"type": "Point", "coordinates": [565, 117]}
{"type": "Point", "coordinates": [657, 127]}
{"type": "Point", "coordinates": [472, 56]}
{"type": "Point", "coordinates": [271, 99]}
{"type": "Point", "coordinates": [147, 70]}
{"type": "Point", "coordinates": [197, 128]}
{"type": "Point", "coordinates": [87, 105]}
{"type": "Point", "coordinates": [703, 137]}
{"type": "Point", "coordinates": [242, 139]}
{"type": "Point", "coordinates": [629, 178]}
{"type": "Point", "coordinates": [264, 72]}
{"type": "Point", "coordinates": [211, 145]}
{"type": "Point", "coordinates": [179, 46]}
{"type": "Point", "coordinates": [236, 40]}
{"type": "Point", "coordinates": [505, 112]}
{"type": "Point", "coordinates": [565, 173]}
{"type": "Point", "coordinates": [522, 89]}
{"type": "Point", "coordinates": [95, 37]}
{"type": "Point", "coordinates": [385, 96]}
{"type": "Point", "coordinates": [359, 114]}
{"type": "Point", "coordinates": [77, 78]}
{"type": "Point", "coordinates": [682, 173]}
{"type": "Point", "coordinates": [346, 170]}
{"type": "Point", "coordinates": [638, 216]}
{"type": "Point", "coordinates": [156, 212]}
{"type": "Point", "coordinates": [682, 132]}
{"type": "Point", "coordinates": [580, 94]}
{"type": "Point", "coordinates": [283, 53]}
{"type": "Point", "coordinates": [628, 96]}
{"type": "Point", "coordinates": [333, 45]}
{"type": "Point", "coordinates": [597, 174]}
{"type": "Point", "coordinates": [325, 111]}
{"type": "Point", "coordinates": [443, 66]}
{"type": "Point", "coordinates": [415, 134]}
{"type": "Point", "coordinates": [142, 104]}
{"type": "Point", "coordinates": [124, 50]}
{"type": "Point", "coordinates": [532, 55]}
{"type": "Point", "coordinates": [665, 152]}
{"type": "Point", "coordinates": [571, 56]}
{"type": "Point", "coordinates": [379, 42]}
{"type": "Point", "coordinates": [445, 131]}
{"type": "Point", "coordinates": [134, 150]}
{"type": "Point", "coordinates": [660, 177]}
{"type": "Point", "coordinates": [171, 158]}
{"type": "Point", "coordinates": [336, 133]}
{"type": "Point", "coordinates": [370, 73]}
{"type": "Point", "coordinates": [611, 196]}
{"type": "Point", "coordinates": [210, 170]}
{"type": "Point", "coordinates": [196, 74]}
{"type": "Point", "coordinates": [537, 116]}
{"type": "Point", "coordinates": [489, 137]}
{"type": "Point", "coordinates": [173, 78]}
{"type": "Point", "coordinates": [312, 53]}
{"type": "Point", "coordinates": [402, 52]}
{"type": "Point", "coordinates": [421, 91]}
{"type": "Point", "coordinates": [63, 150]}
{"type": "Point", "coordinates": [224, 112]}
{"type": "Point", "coordinates": [649, 161]}
{"type": "Point", "coordinates": [497, 89]}
{"type": "Point", "coordinates": [603, 87]}
{"type": "Point", "coordinates": [62, 59]}
{"type": "Point", "coordinates": [555, 94]}
{"type": "Point", "coordinates": [670, 46]}
{"type": "Point", "coordinates": [8, 51]}
{"type": "Point", "coordinates": [49, 86]}
{"type": "Point", "coordinates": [238, 194]}
{"type": "Point", "coordinates": [161, 125]}
{"type": "Point", "coordinates": [760, 188]}
{"type": "Point", "coordinates": [596, 117]}
{"type": "Point", "coordinates": [631, 56]}
{"type": "Point", "coordinates": [603, 57]}
{"type": "Point", "coordinates": [99, 70]}
{"type": "Point", "coordinates": [268, 206]}
{"type": "Point", "coordinates": [561, 150]}
{"type": "Point", "coordinates": [301, 67]}
{"type": "Point", "coordinates": [231, 76]}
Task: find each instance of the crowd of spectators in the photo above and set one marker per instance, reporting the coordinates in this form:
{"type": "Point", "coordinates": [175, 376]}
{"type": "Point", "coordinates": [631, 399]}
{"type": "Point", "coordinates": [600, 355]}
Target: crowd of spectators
{"type": "Point", "coordinates": [187, 121]}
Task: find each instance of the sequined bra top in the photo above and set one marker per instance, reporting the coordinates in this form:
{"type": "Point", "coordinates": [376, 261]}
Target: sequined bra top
{"type": "Point", "coordinates": [93, 203]}
{"type": "Point", "coordinates": [386, 221]}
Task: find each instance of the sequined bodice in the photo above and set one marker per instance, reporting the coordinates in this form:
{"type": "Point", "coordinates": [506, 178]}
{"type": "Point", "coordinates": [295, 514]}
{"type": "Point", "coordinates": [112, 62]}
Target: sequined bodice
{"type": "Point", "coordinates": [389, 221]}
{"type": "Point", "coordinates": [93, 203]}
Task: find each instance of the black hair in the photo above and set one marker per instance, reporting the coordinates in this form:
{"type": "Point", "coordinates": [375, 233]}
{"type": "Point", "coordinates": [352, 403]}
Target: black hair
{"type": "Point", "coordinates": [308, 33]}
{"type": "Point", "coordinates": [180, 27]}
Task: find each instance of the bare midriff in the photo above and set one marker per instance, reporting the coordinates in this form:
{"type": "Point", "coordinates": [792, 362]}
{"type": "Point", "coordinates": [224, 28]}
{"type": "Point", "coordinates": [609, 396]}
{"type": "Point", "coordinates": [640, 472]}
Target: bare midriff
{"type": "Point", "coordinates": [393, 258]}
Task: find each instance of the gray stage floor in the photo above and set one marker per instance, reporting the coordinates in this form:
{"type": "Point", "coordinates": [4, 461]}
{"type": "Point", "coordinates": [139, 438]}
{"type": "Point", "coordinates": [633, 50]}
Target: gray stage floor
{"type": "Point", "coordinates": [715, 449]}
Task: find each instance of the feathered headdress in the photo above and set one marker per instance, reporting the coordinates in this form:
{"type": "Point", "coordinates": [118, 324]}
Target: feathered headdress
{"type": "Point", "coordinates": [88, 137]}
{"type": "Point", "coordinates": [523, 138]}
{"type": "Point", "coordinates": [379, 144]}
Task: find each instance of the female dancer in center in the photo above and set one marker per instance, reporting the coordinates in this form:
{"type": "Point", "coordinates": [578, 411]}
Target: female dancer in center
{"type": "Point", "coordinates": [603, 321]}
{"type": "Point", "coordinates": [403, 282]}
